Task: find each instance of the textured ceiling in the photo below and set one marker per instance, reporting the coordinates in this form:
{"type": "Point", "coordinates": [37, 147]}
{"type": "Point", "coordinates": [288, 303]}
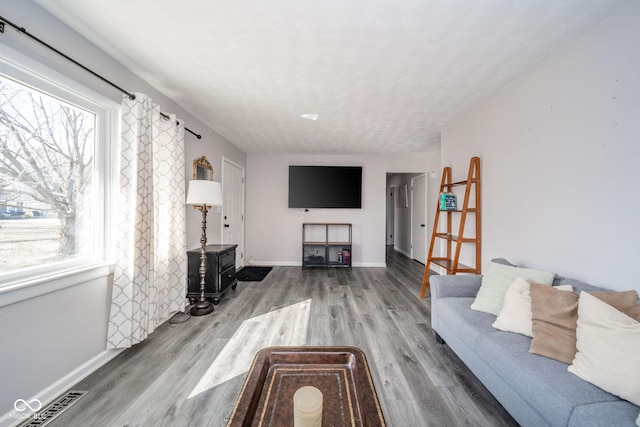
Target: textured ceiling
{"type": "Point", "coordinates": [382, 75]}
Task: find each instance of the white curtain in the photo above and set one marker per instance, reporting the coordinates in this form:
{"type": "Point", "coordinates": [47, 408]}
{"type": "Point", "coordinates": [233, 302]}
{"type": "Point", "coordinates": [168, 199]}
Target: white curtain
{"type": "Point", "coordinates": [151, 264]}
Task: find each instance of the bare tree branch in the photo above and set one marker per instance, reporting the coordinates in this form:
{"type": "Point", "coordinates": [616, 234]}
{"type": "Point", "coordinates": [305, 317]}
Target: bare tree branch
{"type": "Point", "coordinates": [46, 152]}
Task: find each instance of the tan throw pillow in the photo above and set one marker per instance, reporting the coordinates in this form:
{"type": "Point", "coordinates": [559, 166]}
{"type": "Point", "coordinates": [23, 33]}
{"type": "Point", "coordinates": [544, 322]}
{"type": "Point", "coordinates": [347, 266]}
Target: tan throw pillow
{"type": "Point", "coordinates": [625, 301]}
{"type": "Point", "coordinates": [608, 348]}
{"type": "Point", "coordinates": [516, 310]}
{"type": "Point", "coordinates": [554, 316]}
{"type": "Point", "coordinates": [496, 281]}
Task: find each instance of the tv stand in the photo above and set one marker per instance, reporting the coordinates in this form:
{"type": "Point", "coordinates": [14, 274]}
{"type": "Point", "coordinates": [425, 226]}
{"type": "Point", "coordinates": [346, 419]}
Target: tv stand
{"type": "Point", "coordinates": [327, 245]}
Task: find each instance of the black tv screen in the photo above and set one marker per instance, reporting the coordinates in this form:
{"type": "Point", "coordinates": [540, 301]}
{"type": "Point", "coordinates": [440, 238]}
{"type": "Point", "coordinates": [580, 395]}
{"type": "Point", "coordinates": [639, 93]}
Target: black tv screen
{"type": "Point", "coordinates": [325, 187]}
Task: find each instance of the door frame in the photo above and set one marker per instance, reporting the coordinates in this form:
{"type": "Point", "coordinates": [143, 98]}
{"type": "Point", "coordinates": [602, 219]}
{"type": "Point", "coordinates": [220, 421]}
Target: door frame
{"type": "Point", "coordinates": [422, 221]}
{"type": "Point", "coordinates": [391, 214]}
{"type": "Point", "coordinates": [239, 256]}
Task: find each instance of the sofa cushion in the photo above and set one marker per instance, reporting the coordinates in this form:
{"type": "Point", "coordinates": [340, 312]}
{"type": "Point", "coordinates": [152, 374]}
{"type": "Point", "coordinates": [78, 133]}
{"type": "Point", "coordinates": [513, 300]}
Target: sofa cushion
{"type": "Point", "coordinates": [608, 348]}
{"type": "Point", "coordinates": [541, 381]}
{"type": "Point", "coordinates": [497, 280]}
{"type": "Point", "coordinates": [619, 413]}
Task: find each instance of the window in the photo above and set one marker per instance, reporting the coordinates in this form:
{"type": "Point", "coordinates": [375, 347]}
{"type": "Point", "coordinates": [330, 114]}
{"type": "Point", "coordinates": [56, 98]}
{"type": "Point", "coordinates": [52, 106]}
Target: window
{"type": "Point", "coordinates": [54, 173]}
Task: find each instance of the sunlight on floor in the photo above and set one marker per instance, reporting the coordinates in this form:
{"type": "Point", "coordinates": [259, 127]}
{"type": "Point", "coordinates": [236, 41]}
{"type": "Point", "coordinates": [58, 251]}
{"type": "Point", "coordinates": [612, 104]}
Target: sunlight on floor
{"type": "Point", "coordinates": [286, 326]}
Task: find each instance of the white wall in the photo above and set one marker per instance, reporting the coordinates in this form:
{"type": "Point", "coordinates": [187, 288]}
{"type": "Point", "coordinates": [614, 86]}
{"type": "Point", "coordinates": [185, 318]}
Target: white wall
{"type": "Point", "coordinates": [44, 338]}
{"type": "Point", "coordinates": [560, 156]}
{"type": "Point", "coordinates": [274, 230]}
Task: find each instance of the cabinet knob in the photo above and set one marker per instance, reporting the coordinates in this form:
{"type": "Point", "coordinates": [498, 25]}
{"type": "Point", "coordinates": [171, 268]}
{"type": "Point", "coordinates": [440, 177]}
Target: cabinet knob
{"type": "Point", "coordinates": [226, 226]}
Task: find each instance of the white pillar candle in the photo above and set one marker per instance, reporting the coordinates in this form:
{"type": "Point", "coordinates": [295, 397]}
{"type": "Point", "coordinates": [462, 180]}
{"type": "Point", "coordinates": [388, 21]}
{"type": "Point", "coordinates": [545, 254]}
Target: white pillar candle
{"type": "Point", "coordinates": [307, 407]}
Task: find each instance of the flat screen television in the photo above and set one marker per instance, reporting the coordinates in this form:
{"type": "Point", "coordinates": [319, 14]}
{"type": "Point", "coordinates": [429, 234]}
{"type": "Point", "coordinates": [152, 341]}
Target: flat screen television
{"type": "Point", "coordinates": [325, 187]}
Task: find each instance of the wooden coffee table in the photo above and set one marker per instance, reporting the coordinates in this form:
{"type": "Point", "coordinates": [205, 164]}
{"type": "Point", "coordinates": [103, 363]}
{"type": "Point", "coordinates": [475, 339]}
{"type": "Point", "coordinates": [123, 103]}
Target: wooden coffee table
{"type": "Point", "coordinates": [341, 374]}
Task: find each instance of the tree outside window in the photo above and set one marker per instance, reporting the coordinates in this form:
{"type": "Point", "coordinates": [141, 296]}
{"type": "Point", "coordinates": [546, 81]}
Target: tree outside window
{"type": "Point", "coordinates": [47, 152]}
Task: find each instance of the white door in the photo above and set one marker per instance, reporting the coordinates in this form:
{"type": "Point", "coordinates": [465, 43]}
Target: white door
{"type": "Point", "coordinates": [419, 218]}
{"type": "Point", "coordinates": [233, 208]}
{"type": "Point", "coordinates": [390, 215]}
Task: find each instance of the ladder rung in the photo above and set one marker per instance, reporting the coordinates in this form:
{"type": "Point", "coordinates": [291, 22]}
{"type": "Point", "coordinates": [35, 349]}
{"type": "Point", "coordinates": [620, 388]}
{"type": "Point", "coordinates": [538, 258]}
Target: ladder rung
{"type": "Point", "coordinates": [455, 184]}
{"type": "Point", "coordinates": [455, 238]}
{"type": "Point", "coordinates": [457, 210]}
{"type": "Point", "coordinates": [447, 264]}
{"type": "Point", "coordinates": [458, 183]}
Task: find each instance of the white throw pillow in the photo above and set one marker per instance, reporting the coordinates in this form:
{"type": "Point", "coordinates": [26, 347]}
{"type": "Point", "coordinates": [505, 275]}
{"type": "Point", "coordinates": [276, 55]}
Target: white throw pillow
{"type": "Point", "coordinates": [497, 280]}
{"type": "Point", "coordinates": [515, 315]}
{"type": "Point", "coordinates": [608, 343]}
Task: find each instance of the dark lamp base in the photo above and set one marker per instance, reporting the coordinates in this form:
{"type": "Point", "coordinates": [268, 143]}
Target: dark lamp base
{"type": "Point", "coordinates": [201, 308]}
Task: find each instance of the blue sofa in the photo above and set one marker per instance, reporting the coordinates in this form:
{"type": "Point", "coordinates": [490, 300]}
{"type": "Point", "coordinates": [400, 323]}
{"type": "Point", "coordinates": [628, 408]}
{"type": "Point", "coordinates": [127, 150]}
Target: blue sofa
{"type": "Point", "coordinates": [535, 390]}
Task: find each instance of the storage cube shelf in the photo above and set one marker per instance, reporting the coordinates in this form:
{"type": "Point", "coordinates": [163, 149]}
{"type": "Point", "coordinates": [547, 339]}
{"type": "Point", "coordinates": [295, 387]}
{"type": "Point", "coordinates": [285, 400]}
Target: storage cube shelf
{"type": "Point", "coordinates": [326, 245]}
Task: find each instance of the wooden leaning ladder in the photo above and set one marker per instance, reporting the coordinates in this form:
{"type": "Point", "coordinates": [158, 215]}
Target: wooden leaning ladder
{"type": "Point", "coordinates": [451, 263]}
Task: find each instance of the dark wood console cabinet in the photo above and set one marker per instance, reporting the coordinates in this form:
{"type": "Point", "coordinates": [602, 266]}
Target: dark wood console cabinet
{"type": "Point", "coordinates": [221, 272]}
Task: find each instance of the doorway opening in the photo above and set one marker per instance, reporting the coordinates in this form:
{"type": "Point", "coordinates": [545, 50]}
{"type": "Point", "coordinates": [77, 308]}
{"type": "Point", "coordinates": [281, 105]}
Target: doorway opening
{"type": "Point", "coordinates": [407, 224]}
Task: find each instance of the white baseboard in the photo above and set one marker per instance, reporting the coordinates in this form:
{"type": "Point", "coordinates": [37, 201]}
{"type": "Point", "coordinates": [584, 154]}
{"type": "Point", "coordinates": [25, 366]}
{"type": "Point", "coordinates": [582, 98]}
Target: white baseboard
{"type": "Point", "coordinates": [370, 264]}
{"type": "Point", "coordinates": [299, 264]}
{"type": "Point", "coordinates": [46, 396]}
{"type": "Point", "coordinates": [276, 263]}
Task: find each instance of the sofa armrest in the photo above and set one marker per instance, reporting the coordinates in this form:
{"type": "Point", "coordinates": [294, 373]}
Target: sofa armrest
{"type": "Point", "coordinates": [466, 285]}
{"type": "Point", "coordinates": [450, 287]}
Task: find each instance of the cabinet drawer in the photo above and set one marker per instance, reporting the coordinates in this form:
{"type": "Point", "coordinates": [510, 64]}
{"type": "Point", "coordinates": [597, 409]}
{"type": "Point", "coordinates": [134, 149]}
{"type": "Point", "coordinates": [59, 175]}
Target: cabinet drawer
{"type": "Point", "coordinates": [227, 278]}
{"type": "Point", "coordinates": [227, 260]}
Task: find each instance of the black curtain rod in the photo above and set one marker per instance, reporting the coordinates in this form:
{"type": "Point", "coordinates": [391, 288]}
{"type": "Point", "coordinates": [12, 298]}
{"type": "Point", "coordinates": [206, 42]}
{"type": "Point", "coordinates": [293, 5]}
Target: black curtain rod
{"type": "Point", "coordinates": [42, 42]}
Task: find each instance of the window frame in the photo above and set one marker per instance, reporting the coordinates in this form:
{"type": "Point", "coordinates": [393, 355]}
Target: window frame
{"type": "Point", "coordinates": [56, 275]}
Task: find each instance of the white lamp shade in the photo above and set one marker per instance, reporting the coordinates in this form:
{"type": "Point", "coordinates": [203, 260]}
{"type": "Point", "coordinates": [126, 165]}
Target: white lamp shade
{"type": "Point", "coordinates": [203, 192]}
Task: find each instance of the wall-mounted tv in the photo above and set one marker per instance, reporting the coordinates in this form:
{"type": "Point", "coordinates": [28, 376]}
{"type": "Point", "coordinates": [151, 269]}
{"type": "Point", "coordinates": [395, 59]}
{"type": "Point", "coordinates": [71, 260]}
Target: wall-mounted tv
{"type": "Point", "coordinates": [325, 187]}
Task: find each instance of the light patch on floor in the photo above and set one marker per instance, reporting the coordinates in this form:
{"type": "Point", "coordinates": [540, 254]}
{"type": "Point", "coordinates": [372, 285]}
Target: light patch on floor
{"type": "Point", "coordinates": [285, 326]}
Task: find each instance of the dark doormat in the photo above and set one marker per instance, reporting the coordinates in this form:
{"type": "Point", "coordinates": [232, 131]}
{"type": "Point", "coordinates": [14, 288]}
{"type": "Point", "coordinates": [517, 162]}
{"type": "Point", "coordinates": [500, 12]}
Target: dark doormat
{"type": "Point", "coordinates": [252, 274]}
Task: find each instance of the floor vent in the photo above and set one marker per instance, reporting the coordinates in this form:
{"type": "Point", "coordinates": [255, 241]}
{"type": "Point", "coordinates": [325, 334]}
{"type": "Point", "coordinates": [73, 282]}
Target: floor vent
{"type": "Point", "coordinates": [48, 414]}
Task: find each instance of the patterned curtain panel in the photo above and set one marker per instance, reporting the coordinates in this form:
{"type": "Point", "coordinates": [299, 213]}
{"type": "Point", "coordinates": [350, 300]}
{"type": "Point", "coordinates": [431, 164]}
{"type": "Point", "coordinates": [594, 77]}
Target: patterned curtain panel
{"type": "Point", "coordinates": [151, 264]}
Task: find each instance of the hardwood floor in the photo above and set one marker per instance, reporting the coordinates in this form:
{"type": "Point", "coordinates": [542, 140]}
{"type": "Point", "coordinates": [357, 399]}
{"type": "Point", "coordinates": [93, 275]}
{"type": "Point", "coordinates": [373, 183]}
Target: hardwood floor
{"type": "Point", "coordinates": [159, 382]}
